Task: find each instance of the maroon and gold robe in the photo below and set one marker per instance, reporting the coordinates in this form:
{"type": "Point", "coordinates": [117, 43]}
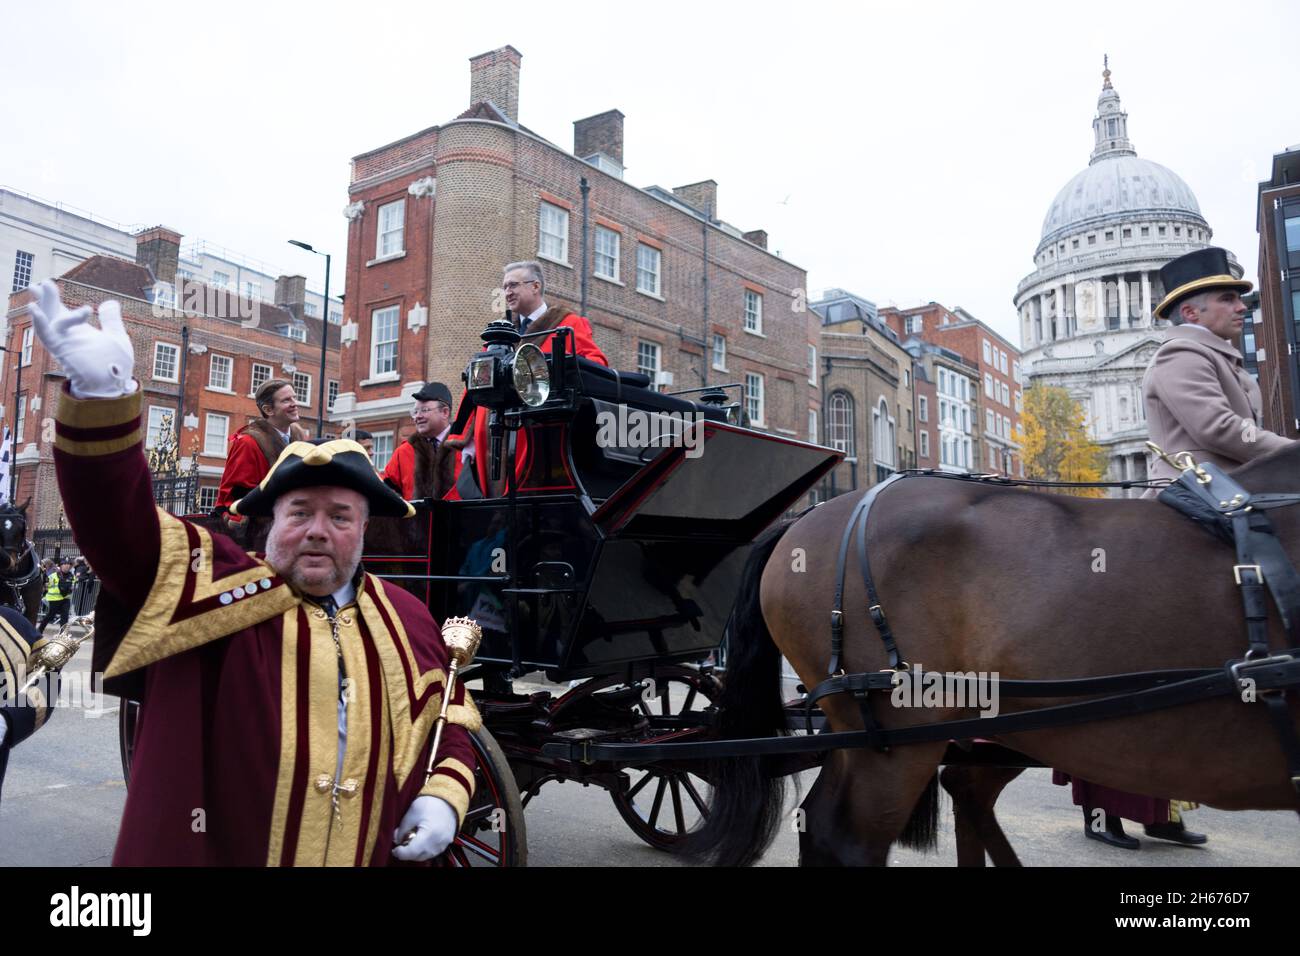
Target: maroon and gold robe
{"type": "Point", "coordinates": [237, 743]}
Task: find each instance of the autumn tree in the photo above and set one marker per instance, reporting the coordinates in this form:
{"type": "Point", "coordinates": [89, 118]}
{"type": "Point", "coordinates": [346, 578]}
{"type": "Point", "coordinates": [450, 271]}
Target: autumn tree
{"type": "Point", "coordinates": [1054, 442]}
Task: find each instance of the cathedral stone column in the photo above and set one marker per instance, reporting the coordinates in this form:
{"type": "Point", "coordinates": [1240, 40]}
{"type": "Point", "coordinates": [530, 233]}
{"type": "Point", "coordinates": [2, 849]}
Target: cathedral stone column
{"type": "Point", "coordinates": [1147, 317]}
{"type": "Point", "coordinates": [1121, 281]}
{"type": "Point", "coordinates": [1061, 310]}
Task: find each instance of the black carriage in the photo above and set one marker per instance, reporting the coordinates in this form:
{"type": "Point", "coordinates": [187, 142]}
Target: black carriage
{"type": "Point", "coordinates": [608, 561]}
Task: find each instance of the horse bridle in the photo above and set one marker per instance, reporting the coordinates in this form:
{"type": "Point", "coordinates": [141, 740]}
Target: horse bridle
{"type": "Point", "coordinates": [1204, 494]}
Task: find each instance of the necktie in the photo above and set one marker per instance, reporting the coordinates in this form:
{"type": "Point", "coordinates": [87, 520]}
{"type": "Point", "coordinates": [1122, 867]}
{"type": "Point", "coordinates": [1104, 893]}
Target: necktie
{"type": "Point", "coordinates": [328, 605]}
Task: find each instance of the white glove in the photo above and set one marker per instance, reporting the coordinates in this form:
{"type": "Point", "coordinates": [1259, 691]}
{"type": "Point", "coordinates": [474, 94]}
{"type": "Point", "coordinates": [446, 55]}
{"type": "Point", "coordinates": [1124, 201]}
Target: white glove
{"type": "Point", "coordinates": [431, 821]}
{"type": "Point", "coordinates": [4, 729]}
{"type": "Point", "coordinates": [99, 361]}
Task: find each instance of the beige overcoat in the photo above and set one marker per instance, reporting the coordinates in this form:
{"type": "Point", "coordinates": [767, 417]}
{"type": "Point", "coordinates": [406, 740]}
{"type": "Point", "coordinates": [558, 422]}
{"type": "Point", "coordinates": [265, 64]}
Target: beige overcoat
{"type": "Point", "coordinates": [1200, 398]}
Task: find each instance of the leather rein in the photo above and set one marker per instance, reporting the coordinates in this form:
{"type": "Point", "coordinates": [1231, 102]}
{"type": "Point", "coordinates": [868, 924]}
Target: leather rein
{"type": "Point", "coordinates": [1204, 494]}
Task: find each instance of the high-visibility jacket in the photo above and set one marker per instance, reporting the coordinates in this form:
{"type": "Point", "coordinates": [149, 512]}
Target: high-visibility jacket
{"type": "Point", "coordinates": [55, 589]}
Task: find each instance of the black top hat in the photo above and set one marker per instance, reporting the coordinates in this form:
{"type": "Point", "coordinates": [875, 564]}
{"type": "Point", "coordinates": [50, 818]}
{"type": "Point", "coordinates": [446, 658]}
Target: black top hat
{"type": "Point", "coordinates": [1195, 272]}
{"type": "Point", "coordinates": [340, 463]}
{"type": "Point", "coordinates": [434, 392]}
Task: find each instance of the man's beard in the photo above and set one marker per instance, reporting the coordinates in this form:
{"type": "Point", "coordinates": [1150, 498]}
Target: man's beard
{"type": "Point", "coordinates": [329, 579]}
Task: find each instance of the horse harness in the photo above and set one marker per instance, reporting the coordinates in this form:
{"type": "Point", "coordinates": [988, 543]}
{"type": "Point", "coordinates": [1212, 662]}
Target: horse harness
{"type": "Point", "coordinates": [1205, 495]}
{"type": "Point", "coordinates": [17, 580]}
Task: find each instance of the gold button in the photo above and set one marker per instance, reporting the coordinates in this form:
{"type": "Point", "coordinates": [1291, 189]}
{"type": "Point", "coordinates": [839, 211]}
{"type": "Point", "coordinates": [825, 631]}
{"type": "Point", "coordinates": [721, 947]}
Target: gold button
{"type": "Point", "coordinates": [350, 787]}
{"type": "Point", "coordinates": [319, 614]}
{"type": "Point", "coordinates": [345, 620]}
{"type": "Point", "coordinates": [324, 783]}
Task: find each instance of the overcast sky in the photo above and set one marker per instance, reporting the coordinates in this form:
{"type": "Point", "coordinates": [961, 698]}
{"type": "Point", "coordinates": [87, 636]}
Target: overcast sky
{"type": "Point", "coordinates": [903, 152]}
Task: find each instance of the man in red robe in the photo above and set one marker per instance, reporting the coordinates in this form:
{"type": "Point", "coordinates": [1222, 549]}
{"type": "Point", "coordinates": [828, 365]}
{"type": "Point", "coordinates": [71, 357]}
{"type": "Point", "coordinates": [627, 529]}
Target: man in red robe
{"type": "Point", "coordinates": [287, 703]}
{"type": "Point", "coordinates": [257, 445]}
{"type": "Point", "coordinates": [523, 284]}
{"type": "Point", "coordinates": [427, 464]}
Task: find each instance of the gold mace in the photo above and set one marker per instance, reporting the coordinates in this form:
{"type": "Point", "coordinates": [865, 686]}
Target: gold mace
{"type": "Point", "coordinates": [462, 636]}
{"type": "Point", "coordinates": [51, 655]}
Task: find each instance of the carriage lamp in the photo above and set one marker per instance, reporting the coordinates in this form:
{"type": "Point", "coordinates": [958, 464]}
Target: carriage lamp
{"type": "Point", "coordinates": [505, 375]}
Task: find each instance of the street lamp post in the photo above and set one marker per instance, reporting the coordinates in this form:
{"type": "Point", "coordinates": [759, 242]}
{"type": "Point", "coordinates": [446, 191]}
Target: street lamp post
{"type": "Point", "coordinates": [324, 336]}
{"type": "Point", "coordinates": [13, 446]}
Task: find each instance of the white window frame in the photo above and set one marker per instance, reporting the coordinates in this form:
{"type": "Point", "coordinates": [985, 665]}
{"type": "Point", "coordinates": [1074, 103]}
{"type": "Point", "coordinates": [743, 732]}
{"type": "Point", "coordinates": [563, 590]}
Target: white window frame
{"type": "Point", "coordinates": [988, 385]}
{"type": "Point", "coordinates": [252, 290]}
{"type": "Point", "coordinates": [611, 254]}
{"type": "Point", "coordinates": [211, 419]}
{"type": "Point", "coordinates": [375, 343]}
{"type": "Point", "coordinates": [883, 430]}
{"type": "Point", "coordinates": [221, 280]}
{"type": "Point", "coordinates": [923, 408]}
{"type": "Point", "coordinates": [305, 398]}
{"type": "Point", "coordinates": [812, 425]}
{"type": "Point", "coordinates": [719, 354]}
{"type": "Point", "coordinates": [390, 239]}
{"type": "Point", "coordinates": [215, 361]}
{"type": "Point", "coordinates": [553, 225]}
{"type": "Point", "coordinates": [20, 424]}
{"type": "Point", "coordinates": [649, 350]}
{"type": "Point", "coordinates": [29, 336]}
{"type": "Point", "coordinates": [812, 365]}
{"type": "Point", "coordinates": [152, 428]}
{"type": "Point", "coordinates": [208, 492]}
{"type": "Point", "coordinates": [331, 394]}
{"type": "Point", "coordinates": [1002, 363]}
{"type": "Point", "coordinates": [384, 446]}
{"type": "Point", "coordinates": [253, 383]}
{"type": "Point", "coordinates": [990, 421]}
{"type": "Point", "coordinates": [754, 398]}
{"type": "Point", "coordinates": [753, 312]}
{"type": "Point", "coordinates": [22, 265]}
{"type": "Point", "coordinates": [988, 353]}
{"type": "Point", "coordinates": [841, 424]}
{"type": "Point", "coordinates": [176, 362]}
{"type": "Point", "coordinates": [647, 256]}
{"type": "Point", "coordinates": [925, 444]}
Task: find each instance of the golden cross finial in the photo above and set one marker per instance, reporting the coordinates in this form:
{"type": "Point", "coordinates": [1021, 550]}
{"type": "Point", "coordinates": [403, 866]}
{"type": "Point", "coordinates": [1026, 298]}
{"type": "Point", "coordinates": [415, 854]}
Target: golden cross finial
{"type": "Point", "coordinates": [1105, 72]}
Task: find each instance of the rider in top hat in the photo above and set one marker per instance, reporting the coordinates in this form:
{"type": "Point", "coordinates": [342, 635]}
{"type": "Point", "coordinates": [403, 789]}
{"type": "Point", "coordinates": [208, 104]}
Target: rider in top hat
{"type": "Point", "coordinates": [287, 704]}
{"type": "Point", "coordinates": [427, 463]}
{"type": "Point", "coordinates": [1199, 396]}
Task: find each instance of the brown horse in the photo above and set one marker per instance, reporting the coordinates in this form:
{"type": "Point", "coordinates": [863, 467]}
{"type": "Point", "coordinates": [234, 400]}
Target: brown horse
{"type": "Point", "coordinates": [1022, 584]}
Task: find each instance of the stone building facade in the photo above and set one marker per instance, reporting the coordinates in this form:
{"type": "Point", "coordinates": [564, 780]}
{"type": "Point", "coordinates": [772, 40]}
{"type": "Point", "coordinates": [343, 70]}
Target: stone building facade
{"type": "Point", "coordinates": [1086, 311]}
{"type": "Point", "coordinates": [868, 394]}
{"type": "Point", "coordinates": [670, 288]}
{"type": "Point", "coordinates": [1277, 319]}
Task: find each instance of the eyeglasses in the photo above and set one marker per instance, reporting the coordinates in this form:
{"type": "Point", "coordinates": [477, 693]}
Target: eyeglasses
{"type": "Point", "coordinates": [511, 286]}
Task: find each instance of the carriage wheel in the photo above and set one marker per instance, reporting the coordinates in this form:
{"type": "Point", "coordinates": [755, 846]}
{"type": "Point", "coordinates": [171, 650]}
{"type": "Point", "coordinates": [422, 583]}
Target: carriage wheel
{"type": "Point", "coordinates": [127, 713]}
{"type": "Point", "coordinates": [493, 833]}
{"type": "Point", "coordinates": [662, 803]}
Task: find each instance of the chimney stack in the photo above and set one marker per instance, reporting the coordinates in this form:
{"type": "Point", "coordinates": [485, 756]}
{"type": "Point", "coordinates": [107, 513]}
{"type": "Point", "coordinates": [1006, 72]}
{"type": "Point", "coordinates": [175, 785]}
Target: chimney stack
{"type": "Point", "coordinates": [291, 294]}
{"type": "Point", "coordinates": [758, 237]}
{"type": "Point", "coordinates": [602, 133]}
{"type": "Point", "coordinates": [159, 250]}
{"type": "Point", "coordinates": [494, 76]}
{"type": "Point", "coordinates": [703, 196]}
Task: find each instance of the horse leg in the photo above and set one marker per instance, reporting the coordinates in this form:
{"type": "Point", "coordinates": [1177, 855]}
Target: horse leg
{"type": "Point", "coordinates": [974, 791]}
{"type": "Point", "coordinates": [863, 802]}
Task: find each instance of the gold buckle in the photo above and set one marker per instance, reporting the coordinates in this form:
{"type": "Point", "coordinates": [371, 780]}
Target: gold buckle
{"type": "Point", "coordinates": [1238, 568]}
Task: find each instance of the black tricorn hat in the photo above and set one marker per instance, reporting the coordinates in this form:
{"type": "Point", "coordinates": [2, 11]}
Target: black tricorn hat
{"type": "Point", "coordinates": [340, 463]}
{"type": "Point", "coordinates": [1195, 272]}
{"type": "Point", "coordinates": [434, 392]}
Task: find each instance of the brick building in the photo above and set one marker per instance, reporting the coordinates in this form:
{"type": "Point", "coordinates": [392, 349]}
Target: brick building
{"type": "Point", "coordinates": [221, 346]}
{"type": "Point", "coordinates": [1276, 345]}
{"type": "Point", "coordinates": [1000, 378]}
{"type": "Point", "coordinates": [866, 381]}
{"type": "Point", "coordinates": [670, 289]}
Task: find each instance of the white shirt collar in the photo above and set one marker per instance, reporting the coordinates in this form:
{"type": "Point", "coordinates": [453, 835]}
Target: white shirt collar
{"type": "Point", "coordinates": [443, 437]}
{"type": "Point", "coordinates": [345, 595]}
{"type": "Point", "coordinates": [538, 314]}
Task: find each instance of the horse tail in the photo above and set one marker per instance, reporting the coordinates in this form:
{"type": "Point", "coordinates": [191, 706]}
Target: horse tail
{"type": "Point", "coordinates": [922, 829]}
{"type": "Point", "coordinates": [745, 804]}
